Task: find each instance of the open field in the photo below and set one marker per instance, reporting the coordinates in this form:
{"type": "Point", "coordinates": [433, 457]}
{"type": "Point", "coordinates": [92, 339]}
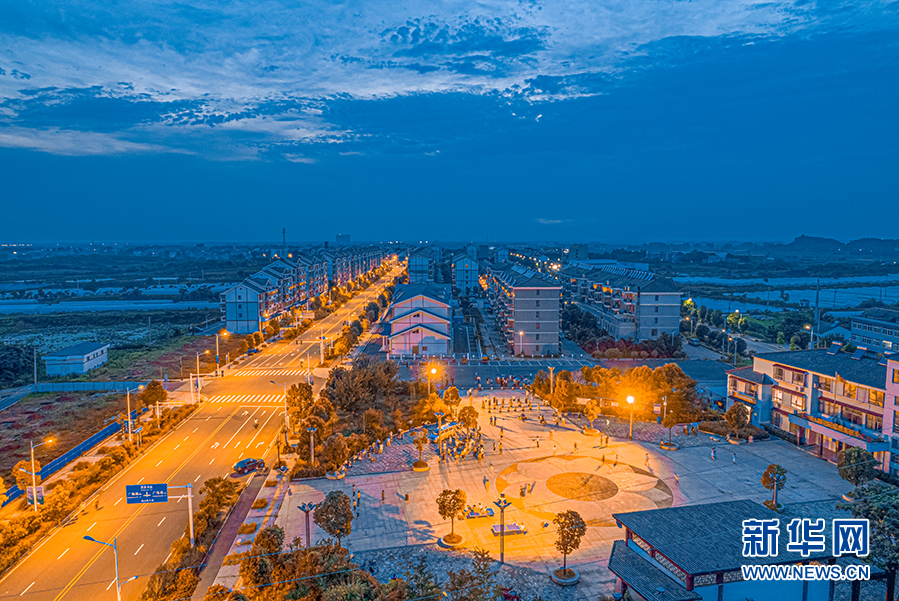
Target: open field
{"type": "Point", "coordinates": [67, 417]}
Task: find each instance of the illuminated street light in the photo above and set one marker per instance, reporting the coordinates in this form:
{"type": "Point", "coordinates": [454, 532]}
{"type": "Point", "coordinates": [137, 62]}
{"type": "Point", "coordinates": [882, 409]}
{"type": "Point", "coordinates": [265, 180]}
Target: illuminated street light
{"type": "Point", "coordinates": [630, 401]}
{"type": "Point", "coordinates": [128, 417]}
{"type": "Point", "coordinates": [502, 503]}
{"type": "Point", "coordinates": [115, 551]}
{"type": "Point", "coordinates": [33, 471]}
{"type": "Point", "coordinates": [307, 509]}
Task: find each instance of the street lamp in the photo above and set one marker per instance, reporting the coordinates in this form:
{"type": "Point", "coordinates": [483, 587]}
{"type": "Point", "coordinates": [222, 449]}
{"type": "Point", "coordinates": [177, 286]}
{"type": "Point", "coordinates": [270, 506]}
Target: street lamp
{"type": "Point", "coordinates": [630, 401]}
{"type": "Point", "coordinates": [115, 550]}
{"type": "Point", "coordinates": [311, 431]}
{"type": "Point", "coordinates": [520, 343]}
{"type": "Point", "coordinates": [502, 503]}
{"type": "Point", "coordinates": [286, 417]}
{"type": "Point", "coordinates": [691, 326]}
{"type": "Point", "coordinates": [33, 471]}
{"type": "Point", "coordinates": [217, 366]}
{"type": "Point", "coordinates": [307, 509]}
{"type": "Point", "coordinates": [439, 415]}
{"type": "Point", "coordinates": [206, 352]}
{"type": "Point", "coordinates": [128, 417]}
{"type": "Point", "coordinates": [811, 341]}
{"type": "Point", "coordinates": [431, 372]}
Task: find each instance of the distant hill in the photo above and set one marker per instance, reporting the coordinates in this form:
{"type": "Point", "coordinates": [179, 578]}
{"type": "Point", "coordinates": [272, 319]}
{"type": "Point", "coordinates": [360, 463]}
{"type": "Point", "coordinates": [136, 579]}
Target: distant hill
{"type": "Point", "coordinates": [815, 244]}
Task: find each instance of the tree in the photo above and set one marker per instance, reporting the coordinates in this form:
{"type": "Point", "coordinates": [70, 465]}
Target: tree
{"type": "Point", "coordinates": [774, 479]}
{"type": "Point", "coordinates": [269, 541]}
{"type": "Point", "coordinates": [421, 581]}
{"type": "Point", "coordinates": [780, 339]}
{"type": "Point", "coordinates": [334, 515]}
{"type": "Point", "coordinates": [23, 479]}
{"type": "Point", "coordinates": [880, 506]}
{"type": "Point", "coordinates": [570, 529]}
{"type": "Point", "coordinates": [242, 350]}
{"type": "Point", "coordinates": [299, 399]}
{"type": "Point", "coordinates": [154, 393]}
{"type": "Point", "coordinates": [257, 339]}
{"type": "Point", "coordinates": [591, 411]}
{"type": "Point", "coordinates": [420, 441]}
{"type": "Point", "coordinates": [669, 421]}
{"type": "Point", "coordinates": [856, 465]}
{"type": "Point", "coordinates": [449, 504]}
{"type": "Point", "coordinates": [335, 451]}
{"type": "Point", "coordinates": [451, 396]}
{"type": "Point", "coordinates": [737, 417]}
{"type": "Point", "coordinates": [468, 417]}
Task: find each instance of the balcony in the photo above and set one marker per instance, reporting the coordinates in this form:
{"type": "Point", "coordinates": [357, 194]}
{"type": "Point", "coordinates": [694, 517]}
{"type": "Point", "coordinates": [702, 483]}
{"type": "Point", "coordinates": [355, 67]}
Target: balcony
{"type": "Point", "coordinates": [842, 430]}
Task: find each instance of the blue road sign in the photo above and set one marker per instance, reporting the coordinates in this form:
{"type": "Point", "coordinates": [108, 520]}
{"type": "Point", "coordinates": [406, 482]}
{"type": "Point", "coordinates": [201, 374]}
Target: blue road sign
{"type": "Point", "coordinates": [147, 493]}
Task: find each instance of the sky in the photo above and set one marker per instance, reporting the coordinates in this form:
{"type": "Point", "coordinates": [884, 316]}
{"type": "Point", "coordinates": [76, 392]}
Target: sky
{"type": "Point", "coordinates": [571, 120]}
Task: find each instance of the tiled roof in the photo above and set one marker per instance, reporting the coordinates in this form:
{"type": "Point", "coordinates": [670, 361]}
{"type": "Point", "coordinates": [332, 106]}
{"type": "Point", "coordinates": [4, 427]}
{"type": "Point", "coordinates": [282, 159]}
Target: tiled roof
{"type": "Point", "coordinates": [881, 314]}
{"type": "Point", "coordinates": [623, 280]}
{"type": "Point", "coordinates": [646, 579]}
{"type": "Point", "coordinates": [750, 375]}
{"type": "Point", "coordinates": [864, 371]}
{"type": "Point", "coordinates": [702, 539]}
{"type": "Point", "coordinates": [82, 348]}
{"type": "Point", "coordinates": [412, 290]}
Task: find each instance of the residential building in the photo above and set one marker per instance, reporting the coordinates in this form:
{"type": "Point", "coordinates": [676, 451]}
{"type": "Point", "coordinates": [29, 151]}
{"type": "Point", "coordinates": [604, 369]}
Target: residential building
{"type": "Point", "coordinates": [627, 303]}
{"type": "Point", "coordinates": [526, 307]}
{"type": "Point", "coordinates": [465, 274]}
{"type": "Point", "coordinates": [578, 252]}
{"type": "Point", "coordinates": [828, 399]}
{"type": "Point", "coordinates": [654, 562]}
{"type": "Point", "coordinates": [419, 321]}
{"type": "Point", "coordinates": [245, 307]}
{"type": "Point", "coordinates": [420, 267]}
{"type": "Point", "coordinates": [76, 359]}
{"type": "Point", "coordinates": [876, 329]}
{"type": "Point", "coordinates": [343, 239]}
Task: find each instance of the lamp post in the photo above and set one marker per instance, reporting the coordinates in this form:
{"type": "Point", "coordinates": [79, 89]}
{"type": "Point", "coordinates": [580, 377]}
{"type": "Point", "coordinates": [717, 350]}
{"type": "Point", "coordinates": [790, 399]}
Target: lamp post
{"type": "Point", "coordinates": [286, 417]}
{"type": "Point", "coordinates": [630, 401]}
{"type": "Point", "coordinates": [198, 372]}
{"type": "Point", "coordinates": [33, 472]}
{"type": "Point", "coordinates": [431, 372]}
{"type": "Point", "coordinates": [520, 343]}
{"type": "Point", "coordinates": [439, 415]}
{"type": "Point", "coordinates": [502, 503]}
{"type": "Point", "coordinates": [128, 417]}
{"type": "Point", "coordinates": [307, 509]}
{"type": "Point", "coordinates": [551, 368]}
{"type": "Point", "coordinates": [217, 366]}
{"type": "Point", "coordinates": [311, 431]}
{"type": "Point", "coordinates": [115, 551]}
{"type": "Point", "coordinates": [664, 407]}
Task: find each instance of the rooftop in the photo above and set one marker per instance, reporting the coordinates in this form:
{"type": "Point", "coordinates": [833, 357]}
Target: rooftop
{"type": "Point", "coordinates": [407, 291]}
{"type": "Point", "coordinates": [650, 582]}
{"type": "Point", "coordinates": [82, 348]}
{"type": "Point", "coordinates": [881, 314]}
{"type": "Point", "coordinates": [629, 279]}
{"type": "Point", "coordinates": [750, 375]}
{"type": "Point", "coordinates": [864, 371]}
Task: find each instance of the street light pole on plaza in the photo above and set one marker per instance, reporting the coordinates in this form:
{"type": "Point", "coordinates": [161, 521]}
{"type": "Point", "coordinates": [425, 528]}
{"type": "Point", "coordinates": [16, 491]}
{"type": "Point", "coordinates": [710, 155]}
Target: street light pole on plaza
{"type": "Point", "coordinates": [307, 509]}
{"type": "Point", "coordinates": [311, 431]}
{"type": "Point", "coordinates": [630, 401]}
{"type": "Point", "coordinates": [439, 415]}
{"type": "Point", "coordinates": [431, 372]}
{"type": "Point", "coordinates": [502, 503]}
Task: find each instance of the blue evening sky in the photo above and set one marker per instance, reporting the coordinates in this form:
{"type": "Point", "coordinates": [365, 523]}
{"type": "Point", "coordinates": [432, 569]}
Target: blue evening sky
{"type": "Point", "coordinates": [571, 120]}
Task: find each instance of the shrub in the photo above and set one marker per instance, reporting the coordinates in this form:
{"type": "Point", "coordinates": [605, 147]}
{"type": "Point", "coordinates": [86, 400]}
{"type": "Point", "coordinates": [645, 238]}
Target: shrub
{"type": "Point", "coordinates": [247, 528]}
{"type": "Point", "coordinates": [260, 504]}
{"type": "Point", "coordinates": [271, 483]}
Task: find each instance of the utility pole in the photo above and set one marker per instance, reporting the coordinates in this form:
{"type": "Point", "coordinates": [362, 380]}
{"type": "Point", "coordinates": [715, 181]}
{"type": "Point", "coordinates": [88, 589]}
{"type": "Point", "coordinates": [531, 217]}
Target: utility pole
{"type": "Point", "coordinates": [817, 312]}
{"type": "Point", "coordinates": [35, 368]}
{"type": "Point", "coordinates": [321, 344]}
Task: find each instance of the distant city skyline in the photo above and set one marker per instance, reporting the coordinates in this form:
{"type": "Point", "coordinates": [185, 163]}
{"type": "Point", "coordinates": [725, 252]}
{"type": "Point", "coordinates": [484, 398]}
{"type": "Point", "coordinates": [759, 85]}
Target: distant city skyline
{"type": "Point", "coordinates": [581, 121]}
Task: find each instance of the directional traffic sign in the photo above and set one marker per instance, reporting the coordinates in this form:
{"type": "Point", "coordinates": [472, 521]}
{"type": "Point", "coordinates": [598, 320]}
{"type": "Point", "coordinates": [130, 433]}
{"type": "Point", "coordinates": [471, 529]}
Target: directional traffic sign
{"type": "Point", "coordinates": [147, 493]}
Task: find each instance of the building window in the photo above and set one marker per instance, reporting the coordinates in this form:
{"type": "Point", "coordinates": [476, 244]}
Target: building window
{"type": "Point", "coordinates": [655, 332]}
{"type": "Point", "coordinates": [657, 300]}
{"type": "Point", "coordinates": [849, 390]}
{"type": "Point", "coordinates": [777, 396]}
{"type": "Point", "coordinates": [875, 397]}
{"type": "Point", "coordinates": [798, 402]}
{"type": "Point", "coordinates": [538, 303]}
{"type": "Point", "coordinates": [798, 378]}
{"type": "Point", "coordinates": [538, 293]}
{"type": "Point", "coordinates": [825, 384]}
{"type": "Point", "coordinates": [538, 325]}
{"type": "Point", "coordinates": [239, 315]}
{"type": "Point", "coordinates": [538, 314]}
{"type": "Point", "coordinates": [656, 321]}
{"type": "Point", "coordinates": [657, 309]}
{"type": "Point", "coordinates": [778, 373]}
{"type": "Point", "coordinates": [537, 337]}
{"type": "Point", "coordinates": [896, 376]}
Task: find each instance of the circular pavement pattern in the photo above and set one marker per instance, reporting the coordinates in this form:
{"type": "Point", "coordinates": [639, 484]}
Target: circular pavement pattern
{"type": "Point", "coordinates": [578, 485]}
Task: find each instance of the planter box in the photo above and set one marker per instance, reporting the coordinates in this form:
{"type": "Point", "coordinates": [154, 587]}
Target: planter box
{"type": "Point", "coordinates": [565, 581]}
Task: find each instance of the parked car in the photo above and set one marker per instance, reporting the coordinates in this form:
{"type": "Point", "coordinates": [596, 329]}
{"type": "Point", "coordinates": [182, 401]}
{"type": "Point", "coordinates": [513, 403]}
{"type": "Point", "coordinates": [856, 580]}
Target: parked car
{"type": "Point", "coordinates": [245, 466]}
{"type": "Point", "coordinates": [252, 351]}
{"type": "Point", "coordinates": [694, 342]}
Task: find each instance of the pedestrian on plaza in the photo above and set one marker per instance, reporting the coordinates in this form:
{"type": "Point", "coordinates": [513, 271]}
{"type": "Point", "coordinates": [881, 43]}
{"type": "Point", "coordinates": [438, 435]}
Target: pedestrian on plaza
{"type": "Point", "coordinates": [603, 458]}
{"type": "Point", "coordinates": [646, 460]}
{"type": "Point", "coordinates": [676, 479]}
{"type": "Point", "coordinates": [500, 448]}
{"type": "Point", "coordinates": [735, 459]}
{"type": "Point", "coordinates": [713, 453]}
{"type": "Point", "coordinates": [382, 496]}
{"type": "Point", "coordinates": [575, 447]}
{"type": "Point", "coordinates": [554, 448]}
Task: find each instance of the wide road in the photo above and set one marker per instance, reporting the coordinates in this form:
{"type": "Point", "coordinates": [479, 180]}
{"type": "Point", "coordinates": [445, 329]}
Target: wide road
{"type": "Point", "coordinates": [220, 433]}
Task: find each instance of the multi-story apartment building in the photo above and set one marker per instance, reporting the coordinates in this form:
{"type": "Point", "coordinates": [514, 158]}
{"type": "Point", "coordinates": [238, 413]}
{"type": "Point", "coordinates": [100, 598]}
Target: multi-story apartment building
{"type": "Point", "coordinates": [877, 329]}
{"type": "Point", "coordinates": [420, 321]}
{"type": "Point", "coordinates": [627, 303]}
{"type": "Point", "coordinates": [526, 309]}
{"type": "Point", "coordinates": [829, 399]}
{"type": "Point", "coordinates": [420, 267]}
{"type": "Point", "coordinates": [465, 274]}
{"type": "Point", "coordinates": [290, 283]}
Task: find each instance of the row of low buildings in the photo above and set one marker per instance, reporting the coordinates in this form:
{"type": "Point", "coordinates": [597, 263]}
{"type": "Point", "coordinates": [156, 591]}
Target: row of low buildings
{"type": "Point", "coordinates": [827, 398]}
{"type": "Point", "coordinates": [628, 301]}
{"type": "Point", "coordinates": [291, 282]}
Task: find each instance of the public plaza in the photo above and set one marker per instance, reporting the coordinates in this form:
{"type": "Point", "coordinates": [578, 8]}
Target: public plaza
{"type": "Point", "coordinates": [397, 515]}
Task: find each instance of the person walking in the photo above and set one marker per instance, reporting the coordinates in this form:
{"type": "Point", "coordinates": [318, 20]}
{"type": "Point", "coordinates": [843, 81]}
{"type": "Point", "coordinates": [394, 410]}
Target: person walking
{"type": "Point", "coordinates": [646, 460]}
{"type": "Point", "coordinates": [713, 454]}
{"type": "Point", "coordinates": [676, 479]}
{"type": "Point", "coordinates": [735, 459]}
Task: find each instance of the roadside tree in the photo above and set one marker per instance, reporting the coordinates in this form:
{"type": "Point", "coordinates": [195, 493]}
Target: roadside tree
{"type": "Point", "coordinates": [154, 393]}
{"type": "Point", "coordinates": [856, 466]}
{"type": "Point", "coordinates": [879, 504]}
{"type": "Point", "coordinates": [24, 479]}
{"type": "Point", "coordinates": [774, 479]}
{"type": "Point", "coordinates": [335, 452]}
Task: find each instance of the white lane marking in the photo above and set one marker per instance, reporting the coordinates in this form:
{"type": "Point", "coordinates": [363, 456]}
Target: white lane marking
{"type": "Point", "coordinates": [219, 409]}
{"type": "Point", "coordinates": [259, 443]}
{"type": "Point", "coordinates": [241, 456]}
{"type": "Point", "coordinates": [236, 444]}
{"type": "Point", "coordinates": [197, 478]}
{"type": "Point", "coordinates": [29, 586]}
{"type": "Point", "coordinates": [195, 429]}
{"type": "Point", "coordinates": [160, 522]}
{"type": "Point", "coordinates": [117, 502]}
{"type": "Point", "coordinates": [110, 585]}
{"type": "Point", "coordinates": [138, 549]}
{"type": "Point", "coordinates": [207, 419]}
{"type": "Point", "coordinates": [63, 553]}
{"type": "Point", "coordinates": [215, 446]}
{"type": "Point", "coordinates": [167, 558]}
{"type": "Point", "coordinates": [141, 480]}
{"type": "Point", "coordinates": [176, 447]}
{"type": "Point", "coordinates": [91, 526]}
{"type": "Point", "coordinates": [213, 459]}
{"type": "Point", "coordinates": [185, 438]}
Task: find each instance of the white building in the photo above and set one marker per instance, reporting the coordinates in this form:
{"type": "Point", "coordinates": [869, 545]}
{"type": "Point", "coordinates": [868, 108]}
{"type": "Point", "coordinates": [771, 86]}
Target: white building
{"type": "Point", "coordinates": [465, 275]}
{"type": "Point", "coordinates": [419, 321]}
{"type": "Point", "coordinates": [77, 359]}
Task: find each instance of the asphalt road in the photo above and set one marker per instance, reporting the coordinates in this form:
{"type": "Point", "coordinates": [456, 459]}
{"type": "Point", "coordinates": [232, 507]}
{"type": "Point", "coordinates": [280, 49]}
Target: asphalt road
{"type": "Point", "coordinates": [220, 433]}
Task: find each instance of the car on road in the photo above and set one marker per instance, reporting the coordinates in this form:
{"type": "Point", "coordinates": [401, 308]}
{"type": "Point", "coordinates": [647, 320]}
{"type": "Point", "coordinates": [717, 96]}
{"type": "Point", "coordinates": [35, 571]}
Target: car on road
{"type": "Point", "coordinates": [694, 342]}
{"type": "Point", "coordinates": [245, 466]}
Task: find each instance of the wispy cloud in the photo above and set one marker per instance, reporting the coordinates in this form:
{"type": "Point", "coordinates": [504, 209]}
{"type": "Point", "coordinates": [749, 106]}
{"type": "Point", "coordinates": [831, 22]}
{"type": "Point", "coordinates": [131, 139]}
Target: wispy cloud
{"type": "Point", "coordinates": [544, 221]}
